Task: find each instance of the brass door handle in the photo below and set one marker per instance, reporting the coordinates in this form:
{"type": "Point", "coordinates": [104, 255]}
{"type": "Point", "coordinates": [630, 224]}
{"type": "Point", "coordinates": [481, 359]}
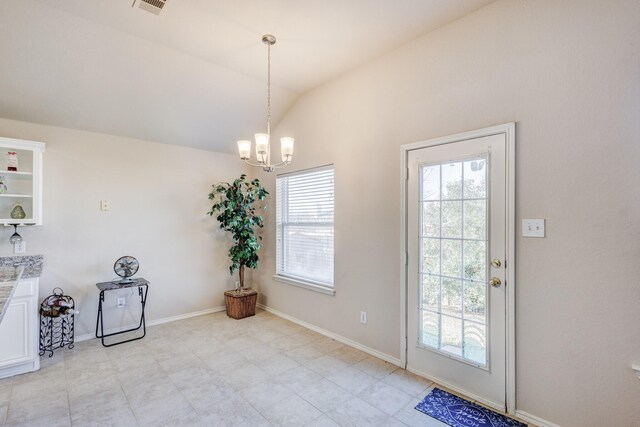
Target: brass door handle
{"type": "Point", "coordinates": [495, 282]}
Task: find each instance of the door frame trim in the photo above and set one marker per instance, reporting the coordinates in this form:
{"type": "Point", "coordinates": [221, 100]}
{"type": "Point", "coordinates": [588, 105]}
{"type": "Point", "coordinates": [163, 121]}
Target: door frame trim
{"type": "Point", "coordinates": [509, 130]}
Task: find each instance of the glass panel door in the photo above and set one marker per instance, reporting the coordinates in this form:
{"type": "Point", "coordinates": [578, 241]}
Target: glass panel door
{"type": "Point", "coordinates": [456, 194]}
{"type": "Point", "coordinates": [454, 260]}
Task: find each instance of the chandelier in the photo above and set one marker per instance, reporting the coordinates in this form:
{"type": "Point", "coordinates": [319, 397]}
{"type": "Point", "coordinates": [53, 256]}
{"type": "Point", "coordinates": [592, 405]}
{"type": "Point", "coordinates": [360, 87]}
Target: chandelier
{"type": "Point", "coordinates": [263, 147]}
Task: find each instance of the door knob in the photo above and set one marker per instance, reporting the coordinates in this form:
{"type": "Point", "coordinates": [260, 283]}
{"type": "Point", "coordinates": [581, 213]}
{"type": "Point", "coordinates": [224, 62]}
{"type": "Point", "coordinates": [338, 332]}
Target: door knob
{"type": "Point", "coordinates": [495, 282]}
{"type": "Point", "coordinates": [496, 262]}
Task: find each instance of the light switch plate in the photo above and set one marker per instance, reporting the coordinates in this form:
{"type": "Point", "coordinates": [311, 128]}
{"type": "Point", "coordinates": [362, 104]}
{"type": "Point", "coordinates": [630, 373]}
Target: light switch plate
{"type": "Point", "coordinates": [105, 205]}
{"type": "Point", "coordinates": [533, 228]}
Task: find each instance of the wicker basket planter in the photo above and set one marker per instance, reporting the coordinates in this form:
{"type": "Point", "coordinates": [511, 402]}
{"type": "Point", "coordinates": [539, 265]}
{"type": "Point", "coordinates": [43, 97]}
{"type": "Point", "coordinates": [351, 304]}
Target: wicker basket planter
{"type": "Point", "coordinates": [241, 304]}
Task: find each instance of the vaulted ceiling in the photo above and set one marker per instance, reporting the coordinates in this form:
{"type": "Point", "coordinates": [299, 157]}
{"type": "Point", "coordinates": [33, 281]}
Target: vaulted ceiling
{"type": "Point", "coordinates": [196, 74]}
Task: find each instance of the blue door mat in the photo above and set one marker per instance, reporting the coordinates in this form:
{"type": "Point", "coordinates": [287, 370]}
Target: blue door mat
{"type": "Point", "coordinates": [458, 412]}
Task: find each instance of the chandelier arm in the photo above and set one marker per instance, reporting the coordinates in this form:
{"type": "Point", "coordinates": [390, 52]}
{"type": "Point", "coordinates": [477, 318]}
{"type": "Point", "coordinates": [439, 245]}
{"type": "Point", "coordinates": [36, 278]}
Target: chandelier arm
{"type": "Point", "coordinates": [263, 165]}
{"type": "Point", "coordinates": [281, 164]}
{"type": "Point", "coordinates": [258, 165]}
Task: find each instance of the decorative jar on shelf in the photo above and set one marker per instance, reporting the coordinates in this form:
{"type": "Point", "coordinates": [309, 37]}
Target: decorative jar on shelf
{"type": "Point", "coordinates": [18, 212]}
{"type": "Point", "coordinates": [12, 161]}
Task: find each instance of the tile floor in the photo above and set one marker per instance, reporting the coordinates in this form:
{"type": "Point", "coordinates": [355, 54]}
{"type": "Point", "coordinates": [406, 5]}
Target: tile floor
{"type": "Point", "coordinates": [215, 371]}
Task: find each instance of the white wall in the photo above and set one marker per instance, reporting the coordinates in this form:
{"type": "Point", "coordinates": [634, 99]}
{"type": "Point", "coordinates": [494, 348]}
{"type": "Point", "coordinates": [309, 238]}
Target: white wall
{"type": "Point", "coordinates": [568, 72]}
{"type": "Point", "coordinates": [158, 195]}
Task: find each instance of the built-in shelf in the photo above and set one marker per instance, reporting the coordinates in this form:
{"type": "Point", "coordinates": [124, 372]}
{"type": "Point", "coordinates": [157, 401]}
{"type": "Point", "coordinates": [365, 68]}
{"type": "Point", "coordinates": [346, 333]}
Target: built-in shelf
{"type": "Point", "coordinates": [8, 222]}
{"type": "Point", "coordinates": [15, 173]}
{"type": "Point", "coordinates": [22, 187]}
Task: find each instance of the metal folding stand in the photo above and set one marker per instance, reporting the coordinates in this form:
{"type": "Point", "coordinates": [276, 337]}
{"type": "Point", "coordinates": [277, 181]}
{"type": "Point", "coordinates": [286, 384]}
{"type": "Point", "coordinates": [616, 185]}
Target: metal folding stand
{"type": "Point", "coordinates": [143, 290]}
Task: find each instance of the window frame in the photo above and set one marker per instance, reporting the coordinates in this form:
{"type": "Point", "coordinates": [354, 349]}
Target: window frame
{"type": "Point", "coordinates": [282, 277]}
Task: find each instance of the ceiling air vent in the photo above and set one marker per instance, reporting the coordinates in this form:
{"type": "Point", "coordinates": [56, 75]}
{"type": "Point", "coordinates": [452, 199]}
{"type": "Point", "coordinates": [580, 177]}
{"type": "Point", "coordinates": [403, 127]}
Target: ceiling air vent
{"type": "Point", "coordinates": [153, 6]}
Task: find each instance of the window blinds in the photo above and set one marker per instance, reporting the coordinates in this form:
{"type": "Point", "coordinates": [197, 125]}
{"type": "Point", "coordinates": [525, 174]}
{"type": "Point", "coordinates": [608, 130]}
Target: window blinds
{"type": "Point", "coordinates": [304, 221]}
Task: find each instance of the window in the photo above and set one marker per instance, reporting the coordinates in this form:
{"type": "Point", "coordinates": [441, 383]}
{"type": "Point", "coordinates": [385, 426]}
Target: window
{"type": "Point", "coordinates": [304, 221]}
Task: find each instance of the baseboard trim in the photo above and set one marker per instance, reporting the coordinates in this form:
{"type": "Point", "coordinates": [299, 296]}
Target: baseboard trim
{"type": "Point", "coordinates": [86, 337]}
{"type": "Point", "coordinates": [525, 416]}
{"type": "Point", "coordinates": [373, 352]}
{"type": "Point", "coordinates": [21, 368]}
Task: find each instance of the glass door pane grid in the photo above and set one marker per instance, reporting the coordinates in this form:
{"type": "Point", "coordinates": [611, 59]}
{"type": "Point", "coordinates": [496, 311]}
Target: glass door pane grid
{"type": "Point", "coordinates": [462, 278]}
{"type": "Point", "coordinates": [453, 278]}
{"type": "Point", "coordinates": [457, 317]}
{"type": "Point", "coordinates": [466, 239]}
{"type": "Point", "coordinates": [466, 199]}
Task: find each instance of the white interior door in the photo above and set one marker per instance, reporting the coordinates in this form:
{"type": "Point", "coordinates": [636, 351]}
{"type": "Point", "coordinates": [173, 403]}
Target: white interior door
{"type": "Point", "coordinates": [456, 269]}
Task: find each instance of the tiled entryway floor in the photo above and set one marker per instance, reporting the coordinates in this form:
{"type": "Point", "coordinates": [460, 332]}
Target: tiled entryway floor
{"type": "Point", "coordinates": [215, 371]}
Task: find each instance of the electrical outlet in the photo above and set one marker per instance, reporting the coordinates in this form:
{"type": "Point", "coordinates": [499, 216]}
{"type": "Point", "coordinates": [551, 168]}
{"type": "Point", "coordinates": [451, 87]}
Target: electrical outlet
{"type": "Point", "coordinates": [363, 317]}
{"type": "Point", "coordinates": [20, 247]}
{"type": "Point", "coordinates": [121, 302]}
{"type": "Point", "coordinates": [105, 205]}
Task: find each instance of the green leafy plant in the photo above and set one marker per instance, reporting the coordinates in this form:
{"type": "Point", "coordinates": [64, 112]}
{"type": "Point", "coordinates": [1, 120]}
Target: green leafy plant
{"type": "Point", "coordinates": [235, 205]}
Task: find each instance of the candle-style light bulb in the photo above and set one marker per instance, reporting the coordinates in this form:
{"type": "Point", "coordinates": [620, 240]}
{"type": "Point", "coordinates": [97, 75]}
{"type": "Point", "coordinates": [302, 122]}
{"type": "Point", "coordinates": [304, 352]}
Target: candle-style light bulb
{"type": "Point", "coordinates": [286, 148]}
{"type": "Point", "coordinates": [262, 146]}
{"type": "Point", "coordinates": [244, 149]}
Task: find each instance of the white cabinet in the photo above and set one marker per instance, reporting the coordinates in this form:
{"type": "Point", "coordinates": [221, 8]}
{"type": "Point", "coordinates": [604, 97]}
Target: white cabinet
{"type": "Point", "coordinates": [19, 331]}
{"type": "Point", "coordinates": [24, 185]}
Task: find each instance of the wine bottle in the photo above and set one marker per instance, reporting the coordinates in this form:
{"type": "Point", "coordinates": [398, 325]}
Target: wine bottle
{"type": "Point", "coordinates": [62, 303]}
{"type": "Point", "coordinates": [66, 310]}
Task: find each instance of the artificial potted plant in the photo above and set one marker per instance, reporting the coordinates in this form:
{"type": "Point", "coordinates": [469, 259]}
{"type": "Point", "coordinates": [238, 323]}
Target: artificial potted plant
{"type": "Point", "coordinates": [235, 205]}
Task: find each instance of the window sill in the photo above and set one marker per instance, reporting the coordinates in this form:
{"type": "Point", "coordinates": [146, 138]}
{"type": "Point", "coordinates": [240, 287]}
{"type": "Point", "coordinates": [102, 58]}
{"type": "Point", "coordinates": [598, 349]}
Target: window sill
{"type": "Point", "coordinates": [305, 285]}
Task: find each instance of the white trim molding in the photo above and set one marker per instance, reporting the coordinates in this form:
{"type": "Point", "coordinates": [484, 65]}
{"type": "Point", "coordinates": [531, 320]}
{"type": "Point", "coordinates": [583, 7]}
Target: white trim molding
{"type": "Point", "coordinates": [373, 352]}
{"type": "Point", "coordinates": [525, 416]}
{"type": "Point", "coordinates": [510, 263]}
{"type": "Point", "coordinates": [508, 129]}
{"type": "Point", "coordinates": [86, 337]}
{"type": "Point", "coordinates": [304, 284]}
{"type": "Point", "coordinates": [637, 369]}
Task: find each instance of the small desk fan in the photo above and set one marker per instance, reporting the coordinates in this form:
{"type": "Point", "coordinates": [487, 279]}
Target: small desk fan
{"type": "Point", "coordinates": [126, 267]}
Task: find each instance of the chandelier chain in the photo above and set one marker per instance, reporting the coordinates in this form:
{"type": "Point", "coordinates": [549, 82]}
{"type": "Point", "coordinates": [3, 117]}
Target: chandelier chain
{"type": "Point", "coordinates": [269, 89]}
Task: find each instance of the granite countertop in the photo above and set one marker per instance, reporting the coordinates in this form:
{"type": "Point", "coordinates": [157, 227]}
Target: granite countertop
{"type": "Point", "coordinates": [108, 286]}
{"type": "Point", "coordinates": [12, 269]}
